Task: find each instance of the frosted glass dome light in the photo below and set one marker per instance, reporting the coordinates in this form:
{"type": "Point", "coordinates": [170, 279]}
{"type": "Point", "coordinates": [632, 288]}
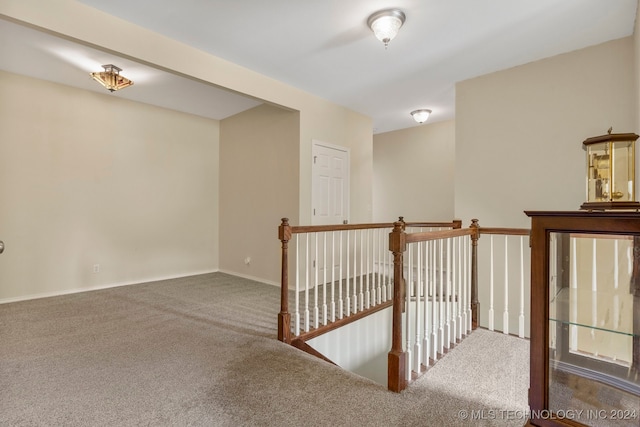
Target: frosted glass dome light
{"type": "Point", "coordinates": [385, 24]}
{"type": "Point", "coordinates": [420, 116]}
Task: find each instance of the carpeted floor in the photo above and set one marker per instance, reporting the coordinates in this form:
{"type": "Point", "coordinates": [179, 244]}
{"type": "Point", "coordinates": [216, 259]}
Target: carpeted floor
{"type": "Point", "coordinates": [201, 351]}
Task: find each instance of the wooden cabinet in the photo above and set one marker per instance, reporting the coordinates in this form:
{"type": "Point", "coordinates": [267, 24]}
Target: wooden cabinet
{"type": "Point", "coordinates": [585, 318]}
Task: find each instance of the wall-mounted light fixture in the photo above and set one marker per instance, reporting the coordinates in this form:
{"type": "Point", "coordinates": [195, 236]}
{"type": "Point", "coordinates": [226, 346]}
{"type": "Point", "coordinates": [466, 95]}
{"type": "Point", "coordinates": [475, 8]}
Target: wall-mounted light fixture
{"type": "Point", "coordinates": [420, 116]}
{"type": "Point", "coordinates": [385, 24]}
{"type": "Point", "coordinates": [111, 78]}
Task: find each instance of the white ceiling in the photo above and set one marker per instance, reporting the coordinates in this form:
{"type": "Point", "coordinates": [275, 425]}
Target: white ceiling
{"type": "Point", "coordinates": [325, 48]}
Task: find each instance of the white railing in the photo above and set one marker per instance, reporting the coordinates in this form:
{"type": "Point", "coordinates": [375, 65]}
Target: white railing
{"type": "Point", "coordinates": [504, 274]}
{"type": "Point", "coordinates": [437, 314]}
{"type": "Point", "coordinates": [338, 272]}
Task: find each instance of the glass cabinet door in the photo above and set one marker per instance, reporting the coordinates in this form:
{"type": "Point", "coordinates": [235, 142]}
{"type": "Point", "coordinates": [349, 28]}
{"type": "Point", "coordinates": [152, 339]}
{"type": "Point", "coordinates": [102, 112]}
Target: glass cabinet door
{"type": "Point", "coordinates": [594, 328]}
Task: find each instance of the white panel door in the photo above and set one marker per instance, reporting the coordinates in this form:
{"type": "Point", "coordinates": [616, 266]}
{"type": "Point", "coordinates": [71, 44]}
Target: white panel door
{"type": "Point", "coordinates": [330, 182]}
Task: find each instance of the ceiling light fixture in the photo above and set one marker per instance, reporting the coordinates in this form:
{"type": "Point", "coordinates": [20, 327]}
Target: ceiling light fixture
{"type": "Point", "coordinates": [385, 24]}
{"type": "Point", "coordinates": [111, 78]}
{"type": "Point", "coordinates": [420, 116]}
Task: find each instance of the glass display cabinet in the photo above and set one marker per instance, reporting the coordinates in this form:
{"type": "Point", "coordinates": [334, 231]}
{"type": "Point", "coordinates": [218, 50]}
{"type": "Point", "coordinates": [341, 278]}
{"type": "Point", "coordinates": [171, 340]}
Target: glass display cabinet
{"type": "Point", "coordinates": [610, 171]}
{"type": "Point", "coordinates": [585, 318]}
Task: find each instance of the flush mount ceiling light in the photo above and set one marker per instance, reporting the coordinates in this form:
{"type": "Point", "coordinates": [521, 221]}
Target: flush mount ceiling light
{"type": "Point", "coordinates": [111, 78]}
{"type": "Point", "coordinates": [420, 116]}
{"type": "Point", "coordinates": [385, 24]}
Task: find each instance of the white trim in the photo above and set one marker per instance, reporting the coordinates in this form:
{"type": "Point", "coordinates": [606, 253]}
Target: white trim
{"type": "Point", "coordinates": [248, 277]}
{"type": "Point", "coordinates": [96, 288]}
{"type": "Point", "coordinates": [329, 145]}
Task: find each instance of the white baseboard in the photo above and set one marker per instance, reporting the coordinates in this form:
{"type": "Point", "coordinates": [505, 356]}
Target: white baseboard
{"type": "Point", "coordinates": [96, 288]}
{"type": "Point", "coordinates": [248, 277]}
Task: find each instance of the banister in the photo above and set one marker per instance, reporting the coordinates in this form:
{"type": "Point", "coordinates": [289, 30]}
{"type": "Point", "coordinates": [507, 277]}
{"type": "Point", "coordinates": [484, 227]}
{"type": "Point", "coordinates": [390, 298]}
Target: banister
{"type": "Point", "coordinates": [341, 227]}
{"type": "Point", "coordinates": [396, 360]}
{"type": "Point", "coordinates": [475, 304]}
{"type": "Point", "coordinates": [399, 370]}
{"type": "Point", "coordinates": [284, 317]}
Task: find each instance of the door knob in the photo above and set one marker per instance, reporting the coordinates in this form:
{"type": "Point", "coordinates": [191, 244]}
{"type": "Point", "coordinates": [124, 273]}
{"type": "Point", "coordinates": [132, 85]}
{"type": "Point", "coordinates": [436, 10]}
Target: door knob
{"type": "Point", "coordinates": [1, 246]}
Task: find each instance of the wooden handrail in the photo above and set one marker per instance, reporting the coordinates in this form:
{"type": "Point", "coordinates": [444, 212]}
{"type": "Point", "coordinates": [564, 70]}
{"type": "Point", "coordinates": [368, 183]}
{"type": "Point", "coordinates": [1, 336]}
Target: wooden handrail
{"type": "Point", "coordinates": [505, 231]}
{"type": "Point", "coordinates": [437, 235]}
{"type": "Point", "coordinates": [323, 329]}
{"type": "Point", "coordinates": [342, 227]}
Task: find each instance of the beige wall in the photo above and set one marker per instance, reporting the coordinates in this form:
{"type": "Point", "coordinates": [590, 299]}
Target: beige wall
{"type": "Point", "coordinates": [90, 178]}
{"type": "Point", "coordinates": [319, 119]}
{"type": "Point", "coordinates": [413, 173]}
{"type": "Point", "coordinates": [519, 132]}
{"type": "Point", "coordinates": [258, 186]}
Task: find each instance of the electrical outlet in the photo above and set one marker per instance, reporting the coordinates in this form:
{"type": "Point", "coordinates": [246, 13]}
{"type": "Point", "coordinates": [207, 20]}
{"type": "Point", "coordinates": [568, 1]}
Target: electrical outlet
{"type": "Point", "coordinates": [247, 260]}
{"type": "Point", "coordinates": [96, 268]}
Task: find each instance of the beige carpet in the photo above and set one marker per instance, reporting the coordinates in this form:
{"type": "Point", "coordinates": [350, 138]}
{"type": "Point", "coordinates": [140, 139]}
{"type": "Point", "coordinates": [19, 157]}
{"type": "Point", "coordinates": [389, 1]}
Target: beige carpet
{"type": "Point", "coordinates": [201, 351]}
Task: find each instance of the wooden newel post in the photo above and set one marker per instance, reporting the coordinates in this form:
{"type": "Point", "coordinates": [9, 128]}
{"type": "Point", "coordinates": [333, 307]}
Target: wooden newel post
{"type": "Point", "coordinates": [284, 317]}
{"type": "Point", "coordinates": [397, 360]}
{"type": "Point", "coordinates": [475, 305]}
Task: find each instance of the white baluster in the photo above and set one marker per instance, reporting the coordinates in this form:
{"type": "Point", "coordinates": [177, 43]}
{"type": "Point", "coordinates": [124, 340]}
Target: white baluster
{"type": "Point", "coordinates": [373, 272]}
{"type": "Point", "coordinates": [367, 294]}
{"type": "Point", "coordinates": [416, 347]}
{"type": "Point", "coordinates": [362, 272]}
{"type": "Point", "coordinates": [453, 302]}
{"type": "Point", "coordinates": [447, 296]}
{"type": "Point", "coordinates": [381, 287]}
{"type": "Point", "coordinates": [380, 292]}
{"type": "Point", "coordinates": [407, 311]}
{"type": "Point", "coordinates": [459, 296]}
{"type": "Point", "coordinates": [505, 314]}
{"type": "Point", "coordinates": [594, 290]}
{"type": "Point", "coordinates": [521, 317]}
{"type": "Point", "coordinates": [491, 283]}
{"type": "Point", "coordinates": [354, 297]}
{"type": "Point", "coordinates": [616, 298]}
{"type": "Point", "coordinates": [340, 278]}
{"type": "Point", "coordinates": [434, 305]}
{"type": "Point", "coordinates": [441, 297]}
{"type": "Point", "coordinates": [333, 276]}
{"type": "Point", "coordinates": [425, 341]}
{"type": "Point", "coordinates": [465, 300]}
{"type": "Point", "coordinates": [573, 296]}
{"type": "Point", "coordinates": [390, 273]}
{"type": "Point", "coordinates": [348, 278]}
{"type": "Point", "coordinates": [306, 285]}
{"type": "Point", "coordinates": [297, 312]}
{"type": "Point", "coordinates": [316, 267]}
{"type": "Point", "coordinates": [324, 280]}
{"type": "Point", "coordinates": [469, 316]}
